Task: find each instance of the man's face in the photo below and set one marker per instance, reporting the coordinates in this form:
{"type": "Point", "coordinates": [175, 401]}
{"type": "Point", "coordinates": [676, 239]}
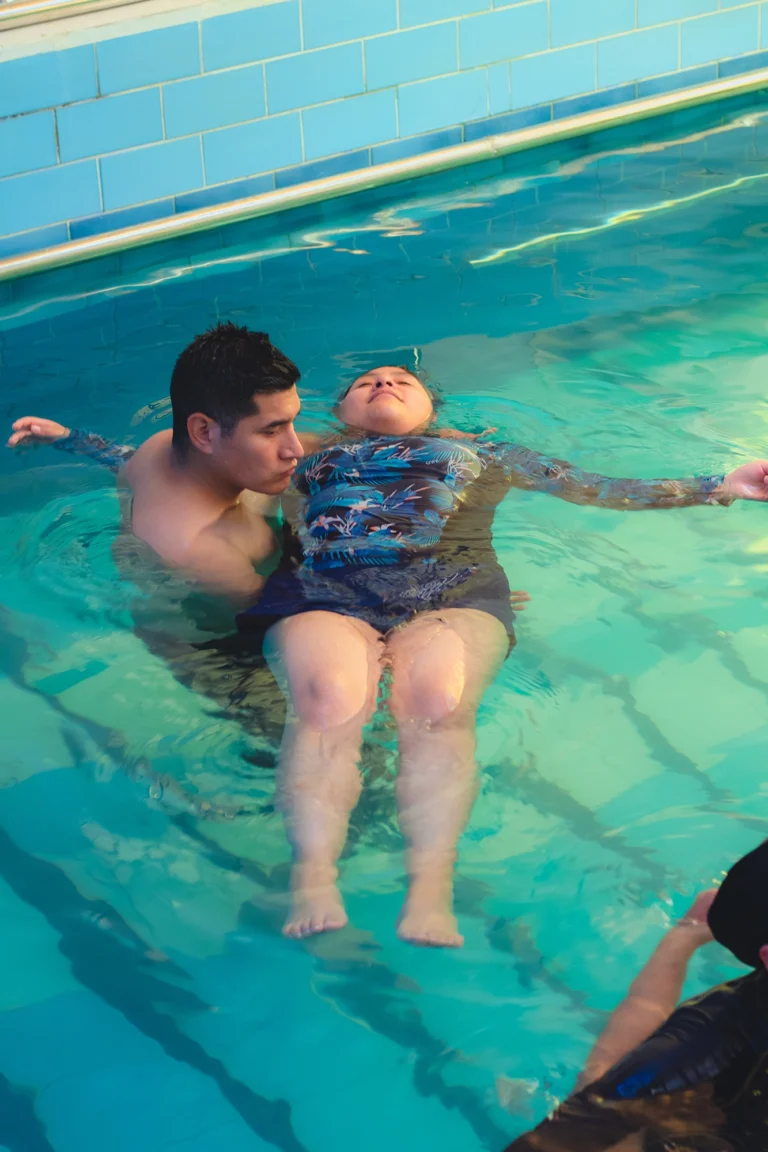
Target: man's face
{"type": "Point", "coordinates": [388, 401]}
{"type": "Point", "coordinates": [262, 452]}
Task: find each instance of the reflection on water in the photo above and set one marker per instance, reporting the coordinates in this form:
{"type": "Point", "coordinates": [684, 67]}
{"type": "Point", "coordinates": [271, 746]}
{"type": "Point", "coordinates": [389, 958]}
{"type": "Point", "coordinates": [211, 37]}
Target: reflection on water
{"type": "Point", "coordinates": [143, 868]}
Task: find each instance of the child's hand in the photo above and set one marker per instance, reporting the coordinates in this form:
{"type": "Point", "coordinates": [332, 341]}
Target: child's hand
{"type": "Point", "coordinates": [518, 600]}
{"type": "Point", "coordinates": [455, 434]}
{"type": "Point", "coordinates": [33, 430]}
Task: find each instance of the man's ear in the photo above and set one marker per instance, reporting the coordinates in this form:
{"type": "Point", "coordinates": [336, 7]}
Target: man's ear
{"type": "Point", "coordinates": [202, 432]}
{"type": "Point", "coordinates": [764, 955]}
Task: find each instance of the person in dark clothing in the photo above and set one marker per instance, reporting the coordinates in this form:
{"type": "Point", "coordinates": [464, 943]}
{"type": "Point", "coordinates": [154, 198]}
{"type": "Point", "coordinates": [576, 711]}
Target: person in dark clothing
{"type": "Point", "coordinates": [687, 1079]}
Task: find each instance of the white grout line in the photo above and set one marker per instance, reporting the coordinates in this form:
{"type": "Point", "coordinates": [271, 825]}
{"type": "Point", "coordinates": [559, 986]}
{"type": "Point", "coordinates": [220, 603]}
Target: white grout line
{"type": "Point", "coordinates": [301, 24]}
{"type": "Point", "coordinates": [266, 90]}
{"type": "Point", "coordinates": [365, 66]}
{"type": "Point", "coordinates": [55, 113]}
{"type": "Point", "coordinates": [96, 70]}
{"type": "Point", "coordinates": [200, 45]}
{"type": "Point", "coordinates": [98, 178]}
{"type": "Point", "coordinates": [202, 162]}
{"type": "Point", "coordinates": [458, 46]}
{"type": "Point", "coordinates": [162, 110]}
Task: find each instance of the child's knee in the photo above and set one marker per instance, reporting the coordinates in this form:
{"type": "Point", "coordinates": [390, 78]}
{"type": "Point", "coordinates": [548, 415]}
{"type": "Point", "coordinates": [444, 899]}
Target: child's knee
{"type": "Point", "coordinates": [329, 698]}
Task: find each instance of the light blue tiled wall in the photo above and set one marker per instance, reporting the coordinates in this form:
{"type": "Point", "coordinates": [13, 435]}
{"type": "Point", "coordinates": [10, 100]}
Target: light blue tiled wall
{"type": "Point", "coordinates": [135, 127]}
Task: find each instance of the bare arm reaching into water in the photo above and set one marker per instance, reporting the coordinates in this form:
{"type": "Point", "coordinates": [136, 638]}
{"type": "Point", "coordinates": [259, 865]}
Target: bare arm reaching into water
{"type": "Point", "coordinates": [653, 995]}
{"type": "Point", "coordinates": [586, 1122]}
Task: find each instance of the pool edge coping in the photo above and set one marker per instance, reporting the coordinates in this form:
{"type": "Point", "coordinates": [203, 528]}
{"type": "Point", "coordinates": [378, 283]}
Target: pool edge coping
{"type": "Point", "coordinates": [365, 179]}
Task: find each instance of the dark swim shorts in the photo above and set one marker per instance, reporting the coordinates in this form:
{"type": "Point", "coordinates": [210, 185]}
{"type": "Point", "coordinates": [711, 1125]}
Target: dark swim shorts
{"type": "Point", "coordinates": [386, 597]}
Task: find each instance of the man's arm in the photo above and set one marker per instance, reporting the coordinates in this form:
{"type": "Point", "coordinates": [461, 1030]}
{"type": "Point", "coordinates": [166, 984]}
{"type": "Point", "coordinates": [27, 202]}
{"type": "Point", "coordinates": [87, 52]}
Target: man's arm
{"type": "Point", "coordinates": [221, 568]}
{"type": "Point", "coordinates": [539, 473]}
{"type": "Point", "coordinates": [653, 995]}
{"type": "Point", "coordinates": [33, 430]}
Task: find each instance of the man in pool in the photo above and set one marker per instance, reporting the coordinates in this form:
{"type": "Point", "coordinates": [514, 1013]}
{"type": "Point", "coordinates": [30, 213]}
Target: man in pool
{"type": "Point", "coordinates": [693, 1079]}
{"type": "Point", "coordinates": [396, 522]}
{"type": "Point", "coordinates": [202, 493]}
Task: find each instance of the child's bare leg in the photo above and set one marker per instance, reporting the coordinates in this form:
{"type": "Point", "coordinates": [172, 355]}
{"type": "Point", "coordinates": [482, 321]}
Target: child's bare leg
{"type": "Point", "coordinates": [442, 664]}
{"type": "Point", "coordinates": [328, 666]}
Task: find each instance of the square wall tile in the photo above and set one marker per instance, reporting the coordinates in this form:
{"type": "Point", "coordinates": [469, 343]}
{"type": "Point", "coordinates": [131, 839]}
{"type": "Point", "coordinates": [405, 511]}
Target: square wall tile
{"type": "Point", "coordinates": [49, 197]}
{"type": "Point", "coordinates": [214, 100]}
{"type": "Point", "coordinates": [427, 11]}
{"type": "Point", "coordinates": [251, 35]}
{"type": "Point", "coordinates": [109, 124]}
{"type": "Point", "coordinates": [509, 32]}
{"type": "Point", "coordinates": [443, 102]}
{"type": "Point", "coordinates": [415, 145]}
{"type": "Point", "coordinates": [34, 241]}
{"type": "Point", "coordinates": [717, 37]}
{"type": "Point", "coordinates": [148, 58]}
{"type": "Point", "coordinates": [125, 218]}
{"type": "Point", "coordinates": [26, 143]}
{"type": "Point", "coordinates": [640, 54]}
{"type": "Point", "coordinates": [499, 90]}
{"type": "Point", "coordinates": [553, 75]}
{"type": "Point", "coordinates": [576, 21]}
{"type": "Point", "coordinates": [349, 124]}
{"type": "Point", "coordinates": [250, 149]}
{"type": "Point", "coordinates": [662, 11]}
{"type": "Point", "coordinates": [333, 21]}
{"type": "Point", "coordinates": [224, 193]}
{"type": "Point", "coordinates": [315, 77]}
{"type": "Point", "coordinates": [47, 80]}
{"type": "Point", "coordinates": [152, 173]}
{"type": "Point", "coordinates": [415, 55]}
{"type": "Point", "coordinates": [321, 169]}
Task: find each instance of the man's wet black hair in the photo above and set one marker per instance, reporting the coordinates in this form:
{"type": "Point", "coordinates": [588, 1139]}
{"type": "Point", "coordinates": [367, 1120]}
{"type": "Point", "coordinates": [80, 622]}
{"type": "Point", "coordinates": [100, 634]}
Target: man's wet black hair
{"type": "Point", "coordinates": [738, 916]}
{"type": "Point", "coordinates": [220, 373]}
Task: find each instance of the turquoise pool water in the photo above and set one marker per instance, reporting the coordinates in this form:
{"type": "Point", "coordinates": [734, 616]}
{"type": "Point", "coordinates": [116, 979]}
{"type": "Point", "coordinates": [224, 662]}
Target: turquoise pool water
{"type": "Point", "coordinates": [606, 301]}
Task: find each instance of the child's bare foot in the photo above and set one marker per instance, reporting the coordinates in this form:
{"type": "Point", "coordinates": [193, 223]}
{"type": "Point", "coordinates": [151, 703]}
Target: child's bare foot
{"type": "Point", "coordinates": [317, 904]}
{"type": "Point", "coordinates": [427, 918]}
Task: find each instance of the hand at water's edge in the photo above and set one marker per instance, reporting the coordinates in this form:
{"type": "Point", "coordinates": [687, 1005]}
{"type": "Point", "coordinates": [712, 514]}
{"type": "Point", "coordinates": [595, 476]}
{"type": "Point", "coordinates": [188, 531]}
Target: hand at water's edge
{"type": "Point", "coordinates": [749, 482]}
{"type": "Point", "coordinates": [694, 922]}
{"type": "Point", "coordinates": [34, 430]}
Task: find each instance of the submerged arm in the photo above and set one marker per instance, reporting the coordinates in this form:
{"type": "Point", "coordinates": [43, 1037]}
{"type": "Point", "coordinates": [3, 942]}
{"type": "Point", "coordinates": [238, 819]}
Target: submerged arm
{"type": "Point", "coordinates": [539, 473]}
{"type": "Point", "coordinates": [33, 430]}
{"type": "Point", "coordinates": [653, 995]}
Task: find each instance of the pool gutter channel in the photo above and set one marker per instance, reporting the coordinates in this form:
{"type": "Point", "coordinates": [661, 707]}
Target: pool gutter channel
{"type": "Point", "coordinates": [365, 179]}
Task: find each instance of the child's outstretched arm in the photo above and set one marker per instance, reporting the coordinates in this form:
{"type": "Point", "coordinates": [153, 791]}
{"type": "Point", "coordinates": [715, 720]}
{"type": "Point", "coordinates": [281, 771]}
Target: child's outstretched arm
{"type": "Point", "coordinates": [536, 472]}
{"type": "Point", "coordinates": [34, 430]}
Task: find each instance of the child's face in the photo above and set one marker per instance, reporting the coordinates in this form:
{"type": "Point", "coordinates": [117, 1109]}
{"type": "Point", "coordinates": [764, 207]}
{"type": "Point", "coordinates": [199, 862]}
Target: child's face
{"type": "Point", "coordinates": [387, 401]}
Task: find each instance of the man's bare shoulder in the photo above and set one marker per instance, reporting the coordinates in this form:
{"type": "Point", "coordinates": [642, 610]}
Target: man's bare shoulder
{"type": "Point", "coordinates": [156, 447]}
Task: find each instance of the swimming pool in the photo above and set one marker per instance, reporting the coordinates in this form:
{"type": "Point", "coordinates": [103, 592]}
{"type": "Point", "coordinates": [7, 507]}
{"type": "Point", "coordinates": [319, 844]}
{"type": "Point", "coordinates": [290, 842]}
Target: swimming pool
{"type": "Point", "coordinates": [604, 301]}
